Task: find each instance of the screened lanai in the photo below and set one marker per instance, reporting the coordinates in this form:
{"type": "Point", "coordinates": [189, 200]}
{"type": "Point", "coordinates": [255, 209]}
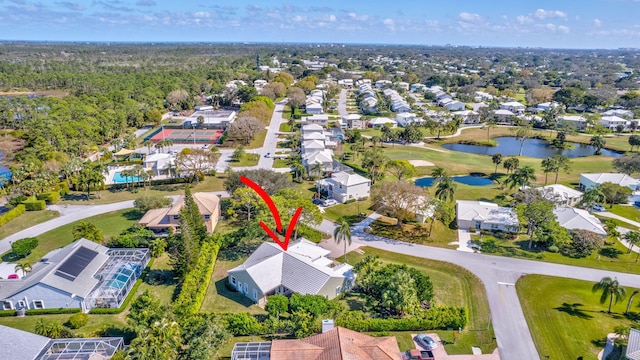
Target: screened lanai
{"type": "Point", "coordinates": [81, 349]}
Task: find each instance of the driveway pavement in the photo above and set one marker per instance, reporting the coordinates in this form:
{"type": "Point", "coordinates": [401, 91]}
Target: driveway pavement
{"type": "Point", "coordinates": [441, 354]}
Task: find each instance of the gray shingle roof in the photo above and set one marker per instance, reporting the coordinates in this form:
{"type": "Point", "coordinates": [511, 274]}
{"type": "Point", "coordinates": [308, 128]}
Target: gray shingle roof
{"type": "Point", "coordinates": [20, 345]}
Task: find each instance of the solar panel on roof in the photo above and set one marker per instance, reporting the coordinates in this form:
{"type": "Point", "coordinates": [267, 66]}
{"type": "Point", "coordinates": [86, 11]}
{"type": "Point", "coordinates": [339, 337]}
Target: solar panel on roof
{"type": "Point", "coordinates": [74, 265]}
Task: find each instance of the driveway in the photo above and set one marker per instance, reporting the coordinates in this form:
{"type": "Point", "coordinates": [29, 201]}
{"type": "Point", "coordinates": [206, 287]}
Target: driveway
{"type": "Point", "coordinates": [441, 354]}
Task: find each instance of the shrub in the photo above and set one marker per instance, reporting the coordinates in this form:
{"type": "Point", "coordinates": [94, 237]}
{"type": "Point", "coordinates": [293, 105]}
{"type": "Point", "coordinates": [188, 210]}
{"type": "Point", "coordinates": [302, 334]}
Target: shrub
{"type": "Point", "coordinates": [350, 201]}
{"type": "Point", "coordinates": [24, 246]}
{"type": "Point", "coordinates": [76, 321]}
{"type": "Point", "coordinates": [553, 249]}
{"type": "Point", "coordinates": [7, 313]}
{"type": "Point", "coordinates": [12, 214]}
{"type": "Point", "coordinates": [196, 282]}
{"type": "Point", "coordinates": [146, 202]}
{"type": "Point", "coordinates": [50, 197]}
{"type": "Point", "coordinates": [64, 188]}
{"type": "Point", "coordinates": [240, 324]}
{"type": "Point", "coordinates": [35, 205]}
{"type": "Point", "coordinates": [53, 311]}
{"type": "Point", "coordinates": [434, 318]}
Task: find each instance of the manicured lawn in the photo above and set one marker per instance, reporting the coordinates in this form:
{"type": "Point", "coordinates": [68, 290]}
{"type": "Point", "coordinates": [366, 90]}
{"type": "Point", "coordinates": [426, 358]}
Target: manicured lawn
{"type": "Point", "coordinates": [26, 220]}
{"type": "Point", "coordinates": [247, 160]}
{"type": "Point", "coordinates": [94, 328]}
{"type": "Point", "coordinates": [568, 322]}
{"type": "Point", "coordinates": [161, 269]}
{"type": "Point", "coordinates": [611, 257]}
{"type": "Point", "coordinates": [284, 127]}
{"type": "Point", "coordinates": [112, 224]}
{"type": "Point", "coordinates": [349, 211]}
{"type": "Point", "coordinates": [626, 211]}
{"type": "Point", "coordinates": [415, 233]}
{"type": "Point", "coordinates": [258, 140]}
{"type": "Point", "coordinates": [280, 163]}
{"type": "Point", "coordinates": [453, 286]}
{"type": "Point", "coordinates": [210, 183]}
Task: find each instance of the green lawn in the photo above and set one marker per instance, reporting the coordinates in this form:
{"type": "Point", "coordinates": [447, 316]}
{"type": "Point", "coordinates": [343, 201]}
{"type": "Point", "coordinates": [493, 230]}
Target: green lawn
{"type": "Point", "coordinates": [349, 211]}
{"type": "Point", "coordinates": [453, 286]}
{"type": "Point", "coordinates": [626, 211]}
{"type": "Point", "coordinates": [415, 233]}
{"type": "Point", "coordinates": [112, 224]}
{"type": "Point", "coordinates": [210, 183]}
{"type": "Point", "coordinates": [280, 163]}
{"type": "Point", "coordinates": [161, 269]}
{"type": "Point", "coordinates": [568, 322]}
{"type": "Point", "coordinates": [284, 127]}
{"type": "Point", "coordinates": [115, 324]}
{"type": "Point", "coordinates": [26, 220]}
{"type": "Point", "coordinates": [258, 140]}
{"type": "Point", "coordinates": [247, 160]}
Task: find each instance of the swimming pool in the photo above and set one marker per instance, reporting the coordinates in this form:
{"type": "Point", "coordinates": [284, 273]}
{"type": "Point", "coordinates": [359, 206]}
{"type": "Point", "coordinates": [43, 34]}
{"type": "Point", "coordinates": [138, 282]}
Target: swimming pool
{"type": "Point", "coordinates": [119, 179]}
{"type": "Point", "coordinates": [467, 180]}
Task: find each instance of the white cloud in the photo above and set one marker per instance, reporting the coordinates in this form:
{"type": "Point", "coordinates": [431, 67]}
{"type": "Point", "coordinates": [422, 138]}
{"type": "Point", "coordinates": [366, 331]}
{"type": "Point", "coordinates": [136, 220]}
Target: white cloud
{"type": "Point", "coordinates": [597, 23]}
{"type": "Point", "coordinates": [390, 24]}
{"type": "Point", "coordinates": [470, 17]}
{"type": "Point", "coordinates": [543, 14]}
{"type": "Point", "coordinates": [522, 19]}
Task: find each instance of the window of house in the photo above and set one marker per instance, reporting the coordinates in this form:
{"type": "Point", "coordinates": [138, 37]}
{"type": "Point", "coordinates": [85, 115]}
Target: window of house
{"type": "Point", "coordinates": [22, 304]}
{"type": "Point", "coordinates": [207, 217]}
{"type": "Point", "coordinates": [494, 226]}
{"type": "Point", "coordinates": [255, 294]}
{"type": "Point", "coordinates": [7, 305]}
{"type": "Point", "coordinates": [38, 304]}
{"type": "Point", "coordinates": [246, 288]}
{"type": "Point", "coordinates": [233, 280]}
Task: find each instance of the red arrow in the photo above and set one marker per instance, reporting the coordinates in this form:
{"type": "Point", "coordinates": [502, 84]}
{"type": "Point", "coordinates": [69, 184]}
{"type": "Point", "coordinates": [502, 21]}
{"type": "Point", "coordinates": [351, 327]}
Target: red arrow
{"type": "Point", "coordinates": [276, 215]}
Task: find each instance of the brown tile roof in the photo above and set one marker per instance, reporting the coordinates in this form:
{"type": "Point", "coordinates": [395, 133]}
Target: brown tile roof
{"type": "Point", "coordinates": [337, 344]}
{"type": "Point", "coordinates": [161, 218]}
{"type": "Point", "coordinates": [207, 203]}
{"type": "Point", "coordinates": [155, 218]}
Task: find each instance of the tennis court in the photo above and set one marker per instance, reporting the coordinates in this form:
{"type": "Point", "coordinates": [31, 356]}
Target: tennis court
{"type": "Point", "coordinates": [185, 136]}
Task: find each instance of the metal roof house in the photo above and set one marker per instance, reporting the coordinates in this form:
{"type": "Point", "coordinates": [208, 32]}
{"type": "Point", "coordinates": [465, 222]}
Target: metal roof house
{"type": "Point", "coordinates": [81, 275]}
{"type": "Point", "coordinates": [578, 219]}
{"type": "Point", "coordinates": [303, 268]}
{"type": "Point", "coordinates": [21, 345]}
{"type": "Point", "coordinates": [481, 215]}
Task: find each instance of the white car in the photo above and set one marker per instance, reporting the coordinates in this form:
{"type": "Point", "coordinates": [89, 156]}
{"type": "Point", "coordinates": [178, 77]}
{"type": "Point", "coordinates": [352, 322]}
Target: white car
{"type": "Point", "coordinates": [598, 208]}
{"type": "Point", "coordinates": [330, 202]}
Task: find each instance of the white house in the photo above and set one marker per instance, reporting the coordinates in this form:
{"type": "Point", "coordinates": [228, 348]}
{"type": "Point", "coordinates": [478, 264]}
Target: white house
{"type": "Point", "coordinates": [480, 215]}
{"type": "Point", "coordinates": [313, 136]}
{"type": "Point", "coordinates": [306, 129]}
{"type": "Point", "coordinates": [382, 83]}
{"type": "Point", "coordinates": [215, 119]}
{"type": "Point", "coordinates": [314, 108]}
{"type": "Point", "coordinates": [353, 121]}
{"type": "Point", "coordinates": [612, 122]}
{"type": "Point", "coordinates": [417, 87]}
{"type": "Point", "coordinates": [481, 96]}
{"type": "Point", "coordinates": [82, 275]}
{"type": "Point", "coordinates": [320, 119]}
{"type": "Point", "coordinates": [504, 115]}
{"type": "Point", "coordinates": [579, 121]}
{"type": "Point", "coordinates": [578, 219]}
{"type": "Point", "coordinates": [303, 268]}
{"type": "Point", "coordinates": [560, 194]}
{"type": "Point", "coordinates": [312, 145]}
{"type": "Point", "coordinates": [324, 158]}
{"type": "Point", "coordinates": [377, 123]}
{"type": "Point", "coordinates": [453, 105]}
{"type": "Point", "coordinates": [343, 186]}
{"type": "Point", "coordinates": [368, 105]}
{"type": "Point", "coordinates": [514, 107]}
{"type": "Point", "coordinates": [404, 119]}
{"type": "Point", "coordinates": [547, 106]}
{"type": "Point", "coordinates": [158, 162]}
{"type": "Point", "coordinates": [587, 181]}
{"type": "Point", "coordinates": [468, 116]}
{"type": "Point", "coordinates": [627, 114]}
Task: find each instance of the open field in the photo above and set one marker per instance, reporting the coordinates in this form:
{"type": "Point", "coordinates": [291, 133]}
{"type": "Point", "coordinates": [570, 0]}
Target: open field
{"type": "Point", "coordinates": [568, 322]}
{"type": "Point", "coordinates": [453, 286]}
{"type": "Point", "coordinates": [26, 220]}
{"type": "Point", "coordinates": [441, 235]}
{"type": "Point", "coordinates": [247, 160]}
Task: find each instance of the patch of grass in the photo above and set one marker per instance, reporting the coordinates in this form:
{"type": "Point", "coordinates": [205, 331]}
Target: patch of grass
{"type": "Point", "coordinates": [160, 281]}
{"type": "Point", "coordinates": [284, 127]}
{"type": "Point", "coordinates": [453, 286]}
{"type": "Point", "coordinates": [210, 183]}
{"type": "Point", "coordinates": [258, 140]}
{"type": "Point", "coordinates": [280, 163]}
{"type": "Point", "coordinates": [349, 211]}
{"type": "Point", "coordinates": [626, 211]}
{"type": "Point", "coordinates": [441, 235]}
{"type": "Point", "coordinates": [115, 324]}
{"type": "Point", "coordinates": [26, 220]}
{"type": "Point", "coordinates": [111, 224]}
{"type": "Point", "coordinates": [247, 160]}
{"type": "Point", "coordinates": [568, 322]}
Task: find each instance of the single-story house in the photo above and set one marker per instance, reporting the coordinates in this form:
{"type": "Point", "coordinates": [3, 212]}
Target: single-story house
{"type": "Point", "coordinates": [627, 114]}
{"type": "Point", "coordinates": [453, 105]}
{"type": "Point", "coordinates": [303, 268]}
{"type": "Point", "coordinates": [213, 119]}
{"type": "Point", "coordinates": [560, 194]}
{"type": "Point", "coordinates": [22, 345]}
{"type": "Point", "coordinates": [403, 85]}
{"type": "Point", "coordinates": [314, 108]}
{"type": "Point", "coordinates": [382, 83]}
{"type": "Point", "coordinates": [547, 106]}
{"type": "Point", "coordinates": [481, 215]}
{"type": "Point", "coordinates": [612, 122]}
{"type": "Point", "coordinates": [160, 220]}
{"type": "Point", "coordinates": [313, 136]}
{"type": "Point", "coordinates": [587, 181]}
{"type": "Point", "coordinates": [344, 186]}
{"type": "Point", "coordinates": [482, 96]}
{"type": "Point", "coordinates": [404, 119]}
{"type": "Point", "coordinates": [158, 162]}
{"type": "Point", "coordinates": [578, 219]}
{"type": "Point", "coordinates": [312, 145]}
{"type": "Point", "coordinates": [417, 87]}
{"type": "Point", "coordinates": [468, 116]}
{"type": "Point", "coordinates": [368, 105]}
{"type": "Point", "coordinates": [514, 107]}
{"type": "Point", "coordinates": [579, 121]}
{"type": "Point", "coordinates": [504, 115]}
{"type": "Point", "coordinates": [377, 123]}
{"type": "Point", "coordinates": [334, 343]}
{"type": "Point", "coordinates": [345, 82]}
{"type": "Point", "coordinates": [82, 275]}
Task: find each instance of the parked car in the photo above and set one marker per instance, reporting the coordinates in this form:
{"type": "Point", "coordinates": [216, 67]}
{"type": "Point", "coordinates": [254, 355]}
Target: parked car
{"type": "Point", "coordinates": [330, 202]}
{"type": "Point", "coordinates": [416, 354]}
{"type": "Point", "coordinates": [317, 201]}
{"type": "Point", "coordinates": [426, 341]}
{"type": "Point", "coordinates": [267, 154]}
{"type": "Point", "coordinates": [597, 208]}
{"type": "Point", "coordinates": [637, 203]}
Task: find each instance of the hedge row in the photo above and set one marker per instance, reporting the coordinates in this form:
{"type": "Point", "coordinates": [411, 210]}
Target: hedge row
{"type": "Point", "coordinates": [12, 214]}
{"type": "Point", "coordinates": [195, 284]}
{"type": "Point", "coordinates": [50, 197]}
{"type": "Point", "coordinates": [35, 205]}
{"type": "Point", "coordinates": [435, 318]}
{"type": "Point", "coordinates": [7, 313]}
{"type": "Point", "coordinates": [53, 311]}
{"type": "Point", "coordinates": [132, 293]}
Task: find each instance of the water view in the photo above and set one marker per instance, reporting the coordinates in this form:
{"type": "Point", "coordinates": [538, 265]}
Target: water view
{"type": "Point", "coordinates": [467, 180]}
{"type": "Point", "coordinates": [535, 148]}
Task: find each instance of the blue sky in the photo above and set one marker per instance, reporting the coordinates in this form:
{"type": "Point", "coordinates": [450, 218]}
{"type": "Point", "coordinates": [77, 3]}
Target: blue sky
{"type": "Point", "coordinates": [556, 24]}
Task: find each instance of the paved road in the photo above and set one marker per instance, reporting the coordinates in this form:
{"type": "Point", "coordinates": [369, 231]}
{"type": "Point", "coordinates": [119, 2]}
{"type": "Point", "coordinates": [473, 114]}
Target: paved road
{"type": "Point", "coordinates": [498, 274]}
{"type": "Point", "coordinates": [618, 217]}
{"type": "Point", "coordinates": [272, 138]}
{"type": "Point", "coordinates": [342, 103]}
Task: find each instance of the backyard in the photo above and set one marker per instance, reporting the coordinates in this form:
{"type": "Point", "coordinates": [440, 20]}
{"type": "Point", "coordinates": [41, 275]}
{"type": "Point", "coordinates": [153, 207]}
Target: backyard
{"type": "Point", "coordinates": [568, 322]}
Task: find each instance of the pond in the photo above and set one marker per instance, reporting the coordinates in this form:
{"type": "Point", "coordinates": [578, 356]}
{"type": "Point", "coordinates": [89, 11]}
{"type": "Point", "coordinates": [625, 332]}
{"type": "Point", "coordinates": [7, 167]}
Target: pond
{"type": "Point", "coordinates": [535, 148]}
{"type": "Point", "coordinates": [467, 180]}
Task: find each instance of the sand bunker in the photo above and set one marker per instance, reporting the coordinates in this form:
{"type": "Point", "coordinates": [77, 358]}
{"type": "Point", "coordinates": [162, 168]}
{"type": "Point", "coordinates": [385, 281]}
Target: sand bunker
{"type": "Point", "coordinates": [420, 163]}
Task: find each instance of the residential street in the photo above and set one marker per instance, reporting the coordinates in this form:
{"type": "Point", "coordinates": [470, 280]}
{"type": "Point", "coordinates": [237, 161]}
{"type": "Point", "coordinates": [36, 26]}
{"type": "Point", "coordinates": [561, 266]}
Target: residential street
{"type": "Point", "coordinates": [342, 103]}
{"type": "Point", "coordinates": [272, 138]}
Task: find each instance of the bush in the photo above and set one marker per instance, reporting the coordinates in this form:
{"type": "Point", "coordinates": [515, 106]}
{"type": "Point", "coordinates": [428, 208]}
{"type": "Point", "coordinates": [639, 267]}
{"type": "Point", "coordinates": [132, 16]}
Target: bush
{"type": "Point", "coordinates": [64, 188]}
{"type": "Point", "coordinates": [195, 284]}
{"type": "Point", "coordinates": [76, 321]}
{"type": "Point", "coordinates": [432, 319]}
{"type": "Point", "coordinates": [147, 202]}
{"type": "Point", "coordinates": [23, 247]}
{"type": "Point", "coordinates": [553, 249]}
{"type": "Point", "coordinates": [12, 214]}
{"type": "Point", "coordinates": [53, 311]}
{"type": "Point", "coordinates": [50, 197]}
{"type": "Point", "coordinates": [350, 201]}
{"type": "Point", "coordinates": [35, 205]}
{"type": "Point", "coordinates": [7, 313]}
{"type": "Point", "coordinates": [240, 324]}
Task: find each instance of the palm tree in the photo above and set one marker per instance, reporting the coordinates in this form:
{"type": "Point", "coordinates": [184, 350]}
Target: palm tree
{"type": "Point", "coordinates": [489, 124]}
{"type": "Point", "coordinates": [633, 238]}
{"type": "Point", "coordinates": [168, 143]}
{"type": "Point", "coordinates": [497, 159]}
{"type": "Point", "coordinates": [633, 294]}
{"type": "Point", "coordinates": [598, 142]}
{"type": "Point", "coordinates": [24, 266]}
{"type": "Point", "coordinates": [611, 289]}
{"type": "Point", "coordinates": [342, 233]}
{"type": "Point", "coordinates": [562, 163]}
{"type": "Point", "coordinates": [446, 189]}
{"type": "Point", "coordinates": [521, 177]}
{"type": "Point", "coordinates": [438, 174]}
{"type": "Point", "coordinates": [87, 230]}
{"type": "Point", "coordinates": [148, 144]}
{"type": "Point", "coordinates": [138, 170]}
{"type": "Point", "coordinates": [548, 165]}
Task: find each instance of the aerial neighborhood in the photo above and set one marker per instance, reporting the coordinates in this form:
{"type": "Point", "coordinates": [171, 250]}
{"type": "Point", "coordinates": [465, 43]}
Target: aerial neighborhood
{"type": "Point", "coordinates": [325, 202]}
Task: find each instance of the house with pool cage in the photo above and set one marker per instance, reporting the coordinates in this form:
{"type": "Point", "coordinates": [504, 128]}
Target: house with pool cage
{"type": "Point", "coordinates": [82, 275]}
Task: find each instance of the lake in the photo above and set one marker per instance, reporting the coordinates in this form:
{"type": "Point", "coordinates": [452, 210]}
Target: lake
{"type": "Point", "coordinates": [536, 148]}
{"type": "Point", "coordinates": [467, 180]}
